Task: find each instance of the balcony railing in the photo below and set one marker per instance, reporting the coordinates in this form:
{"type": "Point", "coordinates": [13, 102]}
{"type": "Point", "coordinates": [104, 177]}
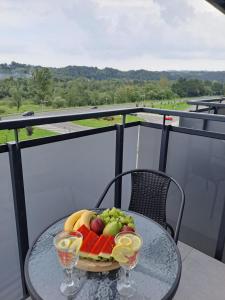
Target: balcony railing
{"type": "Point", "coordinates": [52, 176]}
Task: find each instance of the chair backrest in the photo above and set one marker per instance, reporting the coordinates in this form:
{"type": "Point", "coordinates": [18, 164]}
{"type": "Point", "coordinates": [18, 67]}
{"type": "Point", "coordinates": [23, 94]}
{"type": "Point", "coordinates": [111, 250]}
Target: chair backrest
{"type": "Point", "coordinates": [148, 195]}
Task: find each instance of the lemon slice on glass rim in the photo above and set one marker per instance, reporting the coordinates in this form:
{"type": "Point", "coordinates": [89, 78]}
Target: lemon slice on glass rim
{"type": "Point", "coordinates": [136, 242]}
{"type": "Point", "coordinates": [76, 244]}
{"type": "Point", "coordinates": [121, 253]}
{"type": "Point", "coordinates": [125, 240]}
{"type": "Point", "coordinates": [63, 244]}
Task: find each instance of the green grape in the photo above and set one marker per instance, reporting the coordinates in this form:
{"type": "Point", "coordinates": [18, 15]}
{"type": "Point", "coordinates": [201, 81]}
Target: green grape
{"type": "Point", "coordinates": [104, 213]}
{"type": "Point", "coordinates": [127, 220]}
{"type": "Point", "coordinates": [123, 220]}
{"type": "Point", "coordinates": [131, 219]}
{"type": "Point", "coordinates": [120, 224]}
{"type": "Point", "coordinates": [131, 225]}
{"type": "Point", "coordinates": [107, 220]}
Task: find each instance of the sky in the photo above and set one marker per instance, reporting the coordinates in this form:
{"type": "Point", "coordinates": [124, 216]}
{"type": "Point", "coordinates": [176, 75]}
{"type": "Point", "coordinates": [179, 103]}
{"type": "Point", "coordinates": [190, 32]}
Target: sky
{"type": "Point", "coordinates": [122, 34]}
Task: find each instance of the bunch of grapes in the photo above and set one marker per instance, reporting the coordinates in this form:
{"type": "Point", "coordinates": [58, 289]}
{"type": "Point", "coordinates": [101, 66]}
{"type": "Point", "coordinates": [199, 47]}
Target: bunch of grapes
{"type": "Point", "coordinates": [115, 214]}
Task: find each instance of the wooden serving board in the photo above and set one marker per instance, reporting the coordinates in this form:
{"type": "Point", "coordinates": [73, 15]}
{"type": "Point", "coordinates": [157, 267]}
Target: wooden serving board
{"type": "Point", "coordinates": [97, 266]}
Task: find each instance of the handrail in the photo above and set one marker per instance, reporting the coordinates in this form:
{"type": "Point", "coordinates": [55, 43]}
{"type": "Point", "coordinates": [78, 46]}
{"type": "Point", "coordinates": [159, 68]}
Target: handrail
{"type": "Point", "coordinates": [32, 121]}
{"type": "Point", "coordinates": [191, 115]}
{"type": "Point", "coordinates": [207, 102]}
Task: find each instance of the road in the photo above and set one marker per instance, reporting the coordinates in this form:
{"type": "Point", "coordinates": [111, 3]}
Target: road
{"type": "Point", "coordinates": [66, 127]}
{"type": "Point", "coordinates": [71, 111]}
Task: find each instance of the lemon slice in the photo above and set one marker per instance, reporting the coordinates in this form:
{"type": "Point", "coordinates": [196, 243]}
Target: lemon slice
{"type": "Point", "coordinates": [125, 240]}
{"type": "Point", "coordinates": [63, 244]}
{"type": "Point", "coordinates": [136, 242]}
{"type": "Point", "coordinates": [76, 244]}
{"type": "Point", "coordinates": [121, 253]}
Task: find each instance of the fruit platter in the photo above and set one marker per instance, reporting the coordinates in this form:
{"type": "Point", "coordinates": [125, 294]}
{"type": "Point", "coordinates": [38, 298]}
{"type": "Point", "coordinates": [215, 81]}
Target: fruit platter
{"type": "Point", "coordinates": [98, 250]}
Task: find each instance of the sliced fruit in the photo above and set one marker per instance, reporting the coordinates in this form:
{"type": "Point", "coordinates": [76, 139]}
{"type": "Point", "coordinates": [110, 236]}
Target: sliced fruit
{"type": "Point", "coordinates": [84, 231]}
{"type": "Point", "coordinates": [63, 244]}
{"type": "Point", "coordinates": [122, 253]}
{"type": "Point", "coordinates": [88, 243]}
{"type": "Point", "coordinates": [72, 219]}
{"type": "Point", "coordinates": [125, 240]}
{"type": "Point", "coordinates": [136, 242]}
{"type": "Point", "coordinates": [76, 244]}
{"type": "Point", "coordinates": [95, 250]}
{"type": "Point", "coordinates": [106, 250]}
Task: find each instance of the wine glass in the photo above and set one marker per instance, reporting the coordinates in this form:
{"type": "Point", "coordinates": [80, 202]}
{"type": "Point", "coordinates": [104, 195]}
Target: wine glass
{"type": "Point", "coordinates": [128, 245]}
{"type": "Point", "coordinates": [67, 246]}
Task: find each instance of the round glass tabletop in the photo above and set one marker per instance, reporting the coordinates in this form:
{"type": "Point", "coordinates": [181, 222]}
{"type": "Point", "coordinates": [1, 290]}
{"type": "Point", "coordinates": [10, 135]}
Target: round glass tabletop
{"type": "Point", "coordinates": [157, 274]}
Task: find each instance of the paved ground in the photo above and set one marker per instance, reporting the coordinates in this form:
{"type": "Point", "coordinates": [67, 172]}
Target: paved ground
{"type": "Point", "coordinates": [202, 278]}
{"type": "Point", "coordinates": [65, 127]}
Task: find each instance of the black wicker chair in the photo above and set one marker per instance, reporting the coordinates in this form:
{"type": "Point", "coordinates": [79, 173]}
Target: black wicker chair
{"type": "Point", "coordinates": [148, 196]}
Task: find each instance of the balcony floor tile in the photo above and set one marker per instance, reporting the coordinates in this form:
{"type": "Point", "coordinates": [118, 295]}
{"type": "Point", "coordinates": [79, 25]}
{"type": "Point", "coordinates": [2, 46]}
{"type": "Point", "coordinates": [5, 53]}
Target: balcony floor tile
{"type": "Point", "coordinates": [203, 278]}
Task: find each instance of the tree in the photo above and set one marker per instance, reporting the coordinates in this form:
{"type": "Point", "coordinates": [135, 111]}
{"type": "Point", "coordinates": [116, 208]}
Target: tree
{"type": "Point", "coordinates": [17, 96]}
{"type": "Point", "coordinates": [58, 102]}
{"type": "Point", "coordinates": [42, 81]}
{"type": "Point", "coordinates": [163, 82]}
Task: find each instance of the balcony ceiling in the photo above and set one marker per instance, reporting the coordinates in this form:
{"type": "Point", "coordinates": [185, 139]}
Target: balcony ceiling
{"type": "Point", "coordinates": [220, 4]}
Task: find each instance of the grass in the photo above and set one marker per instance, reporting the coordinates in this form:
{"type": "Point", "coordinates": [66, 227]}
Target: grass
{"type": "Point", "coordinates": [27, 106]}
{"type": "Point", "coordinates": [5, 109]}
{"type": "Point", "coordinates": [102, 122]}
{"type": "Point", "coordinates": [171, 105]}
{"type": "Point", "coordinates": [8, 135]}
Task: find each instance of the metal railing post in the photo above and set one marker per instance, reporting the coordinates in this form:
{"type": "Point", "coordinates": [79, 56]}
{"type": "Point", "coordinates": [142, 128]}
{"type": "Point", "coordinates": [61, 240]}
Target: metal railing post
{"type": "Point", "coordinates": [164, 146]}
{"type": "Point", "coordinates": [221, 237]}
{"type": "Point", "coordinates": [119, 164]}
{"type": "Point", "coordinates": [205, 124]}
{"type": "Point", "coordinates": [19, 207]}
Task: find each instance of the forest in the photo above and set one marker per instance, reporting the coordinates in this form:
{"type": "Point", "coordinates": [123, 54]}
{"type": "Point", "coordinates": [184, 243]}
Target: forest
{"type": "Point", "coordinates": [40, 86]}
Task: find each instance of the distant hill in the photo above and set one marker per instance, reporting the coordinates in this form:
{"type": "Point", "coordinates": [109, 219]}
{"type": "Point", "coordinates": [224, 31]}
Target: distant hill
{"type": "Point", "coordinates": [71, 72]}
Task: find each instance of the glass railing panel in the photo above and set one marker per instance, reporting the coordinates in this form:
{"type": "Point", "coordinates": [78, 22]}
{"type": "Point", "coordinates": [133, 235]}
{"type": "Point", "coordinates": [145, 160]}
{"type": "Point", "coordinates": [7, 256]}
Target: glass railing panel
{"type": "Point", "coordinates": [198, 164]}
{"type": "Point", "coordinates": [149, 148]}
{"type": "Point", "coordinates": [10, 283]}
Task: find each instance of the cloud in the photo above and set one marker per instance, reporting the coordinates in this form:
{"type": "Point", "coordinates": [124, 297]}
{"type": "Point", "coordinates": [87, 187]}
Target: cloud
{"type": "Point", "coordinates": [155, 34]}
{"type": "Point", "coordinates": [175, 12]}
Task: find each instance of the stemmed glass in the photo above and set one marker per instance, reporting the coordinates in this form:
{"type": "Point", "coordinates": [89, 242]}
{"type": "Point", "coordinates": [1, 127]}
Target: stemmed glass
{"type": "Point", "coordinates": [67, 246]}
{"type": "Point", "coordinates": [130, 245]}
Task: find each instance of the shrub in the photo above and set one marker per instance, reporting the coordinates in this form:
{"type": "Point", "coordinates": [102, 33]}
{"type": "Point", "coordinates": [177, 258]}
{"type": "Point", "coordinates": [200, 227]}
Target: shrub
{"type": "Point", "coordinates": [58, 102]}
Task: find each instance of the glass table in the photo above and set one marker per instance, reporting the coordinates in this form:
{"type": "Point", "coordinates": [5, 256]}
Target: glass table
{"type": "Point", "coordinates": [157, 274]}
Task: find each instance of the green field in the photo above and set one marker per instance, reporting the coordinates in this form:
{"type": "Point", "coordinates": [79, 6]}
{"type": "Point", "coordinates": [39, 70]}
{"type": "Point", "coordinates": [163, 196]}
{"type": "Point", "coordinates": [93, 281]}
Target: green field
{"type": "Point", "coordinates": [5, 109]}
{"type": "Point", "coordinates": [8, 135]}
{"type": "Point", "coordinates": [170, 105]}
{"type": "Point", "coordinates": [102, 122]}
